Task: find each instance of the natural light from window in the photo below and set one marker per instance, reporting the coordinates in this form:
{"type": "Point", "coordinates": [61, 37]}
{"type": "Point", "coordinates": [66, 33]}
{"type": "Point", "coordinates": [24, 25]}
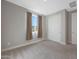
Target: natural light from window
{"type": "Point", "coordinates": [34, 26]}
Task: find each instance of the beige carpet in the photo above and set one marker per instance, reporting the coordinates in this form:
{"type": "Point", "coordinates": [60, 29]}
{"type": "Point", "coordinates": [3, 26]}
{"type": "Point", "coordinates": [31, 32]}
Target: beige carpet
{"type": "Point", "coordinates": [43, 50]}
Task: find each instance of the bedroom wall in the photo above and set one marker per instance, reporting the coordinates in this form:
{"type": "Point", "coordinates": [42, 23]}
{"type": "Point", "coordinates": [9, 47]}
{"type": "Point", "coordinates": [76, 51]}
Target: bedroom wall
{"type": "Point", "coordinates": [56, 27]}
{"type": "Point", "coordinates": [13, 25]}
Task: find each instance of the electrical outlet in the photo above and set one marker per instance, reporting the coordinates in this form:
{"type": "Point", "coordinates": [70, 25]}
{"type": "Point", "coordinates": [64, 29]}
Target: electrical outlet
{"type": "Point", "coordinates": [8, 43]}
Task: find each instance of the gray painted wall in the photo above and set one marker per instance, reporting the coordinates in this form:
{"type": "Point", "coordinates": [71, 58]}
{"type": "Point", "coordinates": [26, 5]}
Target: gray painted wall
{"type": "Point", "coordinates": [14, 25]}
{"type": "Point", "coordinates": [69, 28]}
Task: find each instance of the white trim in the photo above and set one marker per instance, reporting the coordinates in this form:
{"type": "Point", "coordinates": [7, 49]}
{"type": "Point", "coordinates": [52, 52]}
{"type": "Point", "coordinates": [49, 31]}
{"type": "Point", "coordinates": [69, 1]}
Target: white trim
{"type": "Point", "coordinates": [25, 44]}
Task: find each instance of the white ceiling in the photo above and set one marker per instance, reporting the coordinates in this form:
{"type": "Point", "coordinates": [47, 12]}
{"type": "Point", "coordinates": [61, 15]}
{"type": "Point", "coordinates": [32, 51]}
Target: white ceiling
{"type": "Point", "coordinates": [44, 8]}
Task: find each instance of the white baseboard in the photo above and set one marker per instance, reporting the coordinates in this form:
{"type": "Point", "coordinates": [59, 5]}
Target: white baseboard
{"type": "Point", "coordinates": [25, 44]}
{"type": "Point", "coordinates": [60, 42]}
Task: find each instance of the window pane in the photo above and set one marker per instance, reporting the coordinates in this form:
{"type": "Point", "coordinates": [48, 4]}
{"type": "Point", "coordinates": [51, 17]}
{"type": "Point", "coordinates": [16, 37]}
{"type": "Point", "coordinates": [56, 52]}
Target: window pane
{"type": "Point", "coordinates": [34, 26]}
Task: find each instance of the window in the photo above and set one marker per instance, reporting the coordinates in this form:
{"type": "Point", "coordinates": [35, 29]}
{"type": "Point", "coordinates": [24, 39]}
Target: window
{"type": "Point", "coordinates": [34, 26]}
